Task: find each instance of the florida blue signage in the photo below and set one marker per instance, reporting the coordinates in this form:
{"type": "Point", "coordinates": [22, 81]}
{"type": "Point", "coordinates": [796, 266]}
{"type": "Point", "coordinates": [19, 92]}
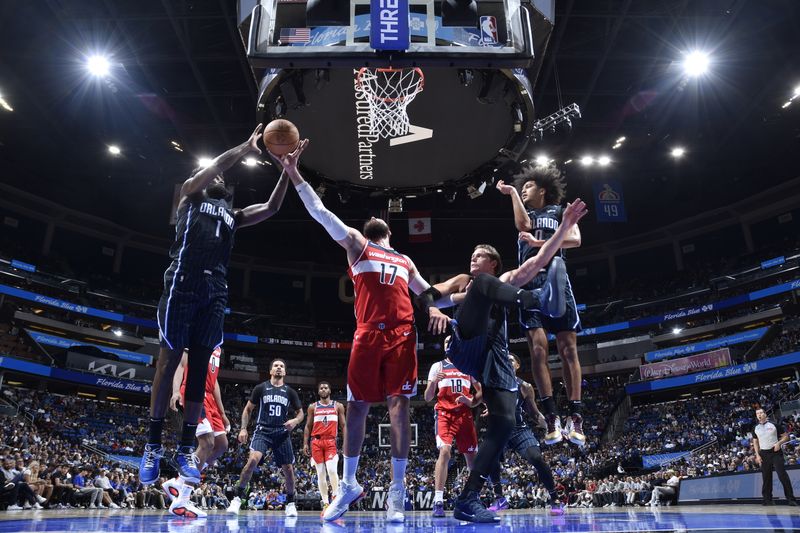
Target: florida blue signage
{"type": "Point", "coordinates": [27, 267]}
{"type": "Point", "coordinates": [63, 342]}
{"type": "Point", "coordinates": [656, 460]}
{"type": "Point", "coordinates": [769, 263]}
{"type": "Point", "coordinates": [116, 384]}
{"type": "Point", "coordinates": [389, 29]}
{"type": "Point", "coordinates": [609, 202]}
{"type": "Point", "coordinates": [714, 375]}
{"type": "Point", "coordinates": [705, 346]}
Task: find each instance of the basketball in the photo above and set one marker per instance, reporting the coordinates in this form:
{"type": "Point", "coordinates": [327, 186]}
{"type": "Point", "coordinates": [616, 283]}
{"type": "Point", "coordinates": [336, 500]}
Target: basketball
{"type": "Point", "coordinates": [281, 137]}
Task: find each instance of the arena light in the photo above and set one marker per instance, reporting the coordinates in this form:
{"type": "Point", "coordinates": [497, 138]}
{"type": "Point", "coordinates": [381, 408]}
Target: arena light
{"type": "Point", "coordinates": [696, 63]}
{"type": "Point", "coordinates": [603, 160]}
{"type": "Point", "coordinates": [113, 149]}
{"type": "Point", "coordinates": [675, 331]}
{"type": "Point", "coordinates": [621, 140]}
{"type": "Point", "coordinates": [98, 65]}
{"type": "Point", "coordinates": [678, 152]}
{"type": "Point", "coordinates": [542, 160]}
{"type": "Point", "coordinates": [117, 332]}
{"type": "Point", "coordinates": [5, 105]}
{"type": "Point", "coordinates": [568, 161]}
{"type": "Point", "coordinates": [786, 104]}
{"type": "Point", "coordinates": [204, 162]}
{"type": "Point", "coordinates": [587, 160]}
{"type": "Point", "coordinates": [796, 92]}
{"type": "Point", "coordinates": [250, 162]}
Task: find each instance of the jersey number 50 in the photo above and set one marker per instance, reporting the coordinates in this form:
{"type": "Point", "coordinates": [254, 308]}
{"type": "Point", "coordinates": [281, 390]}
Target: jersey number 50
{"type": "Point", "coordinates": [274, 410]}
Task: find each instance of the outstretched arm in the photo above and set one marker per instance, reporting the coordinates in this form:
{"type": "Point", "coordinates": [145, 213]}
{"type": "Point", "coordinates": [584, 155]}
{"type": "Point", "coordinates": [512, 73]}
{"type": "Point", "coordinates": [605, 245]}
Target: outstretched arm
{"type": "Point", "coordinates": [425, 300]}
{"type": "Point", "coordinates": [221, 163]}
{"type": "Point", "coordinates": [527, 270]}
{"type": "Point", "coordinates": [348, 238]}
{"type": "Point", "coordinates": [521, 219]}
{"type": "Point", "coordinates": [253, 214]}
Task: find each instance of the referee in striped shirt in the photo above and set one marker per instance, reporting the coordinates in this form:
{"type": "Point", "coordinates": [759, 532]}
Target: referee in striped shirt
{"type": "Point", "coordinates": [767, 444]}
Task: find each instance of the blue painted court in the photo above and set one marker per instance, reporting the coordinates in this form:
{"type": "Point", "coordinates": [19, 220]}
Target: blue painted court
{"type": "Point", "coordinates": [705, 518]}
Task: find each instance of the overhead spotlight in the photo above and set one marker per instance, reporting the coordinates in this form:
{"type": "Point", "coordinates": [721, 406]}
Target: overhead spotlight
{"type": "Point", "coordinates": [617, 146]}
{"type": "Point", "coordinates": [621, 140]}
{"type": "Point", "coordinates": [786, 104]}
{"type": "Point", "coordinates": [587, 160]}
{"type": "Point", "coordinates": [676, 330]}
{"type": "Point", "coordinates": [696, 63]}
{"type": "Point", "coordinates": [117, 332]}
{"type": "Point", "coordinates": [98, 65]}
{"type": "Point", "coordinates": [204, 162]}
{"type": "Point", "coordinates": [542, 160]}
{"type": "Point", "coordinates": [5, 105]}
{"type": "Point", "coordinates": [460, 13]}
{"type": "Point", "coordinates": [250, 162]}
{"type": "Point", "coordinates": [568, 161]}
{"type": "Point", "coordinates": [395, 205]}
{"type": "Point", "coordinates": [114, 150]}
{"type": "Point", "coordinates": [796, 92]}
{"type": "Point", "coordinates": [475, 190]}
{"type": "Point", "coordinates": [678, 152]}
{"type": "Point", "coordinates": [603, 160]}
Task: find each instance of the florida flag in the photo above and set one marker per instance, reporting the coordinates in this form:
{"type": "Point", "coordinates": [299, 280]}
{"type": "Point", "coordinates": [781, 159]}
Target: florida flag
{"type": "Point", "coordinates": [419, 226]}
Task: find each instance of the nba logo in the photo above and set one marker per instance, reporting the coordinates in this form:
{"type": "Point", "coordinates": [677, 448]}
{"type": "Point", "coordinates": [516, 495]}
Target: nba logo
{"type": "Point", "coordinates": [488, 30]}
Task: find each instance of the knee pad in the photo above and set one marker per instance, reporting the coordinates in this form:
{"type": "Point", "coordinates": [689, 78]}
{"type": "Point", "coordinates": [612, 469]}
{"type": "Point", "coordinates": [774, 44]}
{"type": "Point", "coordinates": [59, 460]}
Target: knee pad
{"type": "Point", "coordinates": [196, 374]}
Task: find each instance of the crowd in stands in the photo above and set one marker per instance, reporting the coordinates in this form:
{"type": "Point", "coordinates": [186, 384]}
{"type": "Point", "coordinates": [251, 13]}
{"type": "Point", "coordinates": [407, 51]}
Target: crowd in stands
{"type": "Point", "coordinates": [787, 340]}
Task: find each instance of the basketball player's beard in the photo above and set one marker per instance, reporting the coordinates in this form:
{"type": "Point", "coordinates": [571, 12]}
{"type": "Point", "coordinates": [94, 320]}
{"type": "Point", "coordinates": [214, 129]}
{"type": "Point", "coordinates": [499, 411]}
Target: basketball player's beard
{"type": "Point", "coordinates": [324, 397]}
{"type": "Point", "coordinates": [217, 191]}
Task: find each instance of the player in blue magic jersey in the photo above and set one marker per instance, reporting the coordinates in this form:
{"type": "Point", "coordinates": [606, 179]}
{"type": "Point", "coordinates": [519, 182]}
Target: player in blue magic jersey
{"type": "Point", "coordinates": [536, 199]}
{"type": "Point", "coordinates": [192, 307]}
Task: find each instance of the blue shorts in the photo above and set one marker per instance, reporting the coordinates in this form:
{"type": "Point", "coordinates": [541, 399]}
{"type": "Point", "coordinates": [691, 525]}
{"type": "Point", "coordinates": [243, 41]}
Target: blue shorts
{"type": "Point", "coordinates": [278, 440]}
{"type": "Point", "coordinates": [534, 319]}
{"type": "Point", "coordinates": [521, 439]}
{"type": "Point", "coordinates": [191, 310]}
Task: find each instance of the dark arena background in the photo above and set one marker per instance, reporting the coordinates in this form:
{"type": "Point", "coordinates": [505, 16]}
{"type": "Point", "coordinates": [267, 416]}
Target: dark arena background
{"type": "Point", "coordinates": [676, 121]}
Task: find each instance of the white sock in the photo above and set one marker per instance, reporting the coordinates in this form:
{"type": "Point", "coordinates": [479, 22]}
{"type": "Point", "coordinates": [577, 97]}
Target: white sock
{"type": "Point", "coordinates": [350, 467]}
{"type": "Point", "coordinates": [399, 470]}
{"type": "Point", "coordinates": [438, 496]}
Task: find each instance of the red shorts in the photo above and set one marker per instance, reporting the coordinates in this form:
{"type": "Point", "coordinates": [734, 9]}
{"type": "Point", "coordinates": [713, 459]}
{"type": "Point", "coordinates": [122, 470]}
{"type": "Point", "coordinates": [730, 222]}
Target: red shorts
{"type": "Point", "coordinates": [323, 450]}
{"type": "Point", "coordinates": [382, 363]}
{"type": "Point", "coordinates": [212, 420]}
{"type": "Point", "coordinates": [455, 427]}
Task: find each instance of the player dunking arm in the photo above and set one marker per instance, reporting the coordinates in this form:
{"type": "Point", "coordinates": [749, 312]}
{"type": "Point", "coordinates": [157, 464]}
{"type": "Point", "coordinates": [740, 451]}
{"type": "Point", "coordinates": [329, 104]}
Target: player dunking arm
{"type": "Point", "coordinates": [192, 306]}
{"type": "Point", "coordinates": [383, 359]}
{"type": "Point", "coordinates": [275, 401]}
{"type": "Point", "coordinates": [213, 425]}
{"type": "Point", "coordinates": [480, 341]}
{"type": "Point", "coordinates": [537, 209]}
{"type": "Point", "coordinates": [452, 420]}
{"type": "Point", "coordinates": [324, 419]}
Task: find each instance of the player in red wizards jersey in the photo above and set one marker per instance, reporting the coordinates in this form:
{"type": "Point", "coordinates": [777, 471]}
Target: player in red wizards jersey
{"type": "Point", "coordinates": [383, 359]}
{"type": "Point", "coordinates": [212, 427]}
{"type": "Point", "coordinates": [453, 422]}
{"type": "Point", "coordinates": [325, 419]}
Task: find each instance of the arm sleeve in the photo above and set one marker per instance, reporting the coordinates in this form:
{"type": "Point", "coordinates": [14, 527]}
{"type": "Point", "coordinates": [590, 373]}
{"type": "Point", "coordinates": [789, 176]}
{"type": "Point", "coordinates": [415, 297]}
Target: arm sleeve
{"type": "Point", "coordinates": [255, 396]}
{"type": "Point", "coordinates": [294, 400]}
{"type": "Point", "coordinates": [435, 368]}
{"type": "Point", "coordinates": [332, 224]}
{"type": "Point", "coordinates": [417, 284]}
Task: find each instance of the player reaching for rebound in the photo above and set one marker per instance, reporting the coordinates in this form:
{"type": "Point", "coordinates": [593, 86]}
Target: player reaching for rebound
{"type": "Point", "coordinates": [524, 443]}
{"type": "Point", "coordinates": [480, 341]}
{"type": "Point", "coordinates": [324, 419]}
{"type": "Point", "coordinates": [212, 427]}
{"type": "Point", "coordinates": [537, 215]}
{"type": "Point", "coordinates": [452, 420]}
{"type": "Point", "coordinates": [275, 401]}
{"type": "Point", "coordinates": [383, 359]}
{"type": "Point", "coordinates": [192, 306]}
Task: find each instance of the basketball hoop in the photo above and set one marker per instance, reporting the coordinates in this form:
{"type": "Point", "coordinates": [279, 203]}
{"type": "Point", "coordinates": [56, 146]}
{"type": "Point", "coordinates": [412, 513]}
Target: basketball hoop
{"type": "Point", "coordinates": [388, 91]}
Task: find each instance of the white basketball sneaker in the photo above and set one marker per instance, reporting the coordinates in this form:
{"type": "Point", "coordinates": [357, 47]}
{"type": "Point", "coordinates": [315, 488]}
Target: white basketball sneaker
{"type": "Point", "coordinates": [395, 512]}
{"type": "Point", "coordinates": [348, 493]}
{"type": "Point", "coordinates": [291, 509]}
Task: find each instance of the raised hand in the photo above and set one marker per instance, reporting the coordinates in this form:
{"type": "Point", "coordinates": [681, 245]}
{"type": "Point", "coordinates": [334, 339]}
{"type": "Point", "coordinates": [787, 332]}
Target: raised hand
{"type": "Point", "coordinates": [504, 188]}
{"type": "Point", "coordinates": [437, 321]}
{"type": "Point", "coordinates": [253, 140]}
{"type": "Point", "coordinates": [289, 161]}
{"type": "Point", "coordinates": [574, 212]}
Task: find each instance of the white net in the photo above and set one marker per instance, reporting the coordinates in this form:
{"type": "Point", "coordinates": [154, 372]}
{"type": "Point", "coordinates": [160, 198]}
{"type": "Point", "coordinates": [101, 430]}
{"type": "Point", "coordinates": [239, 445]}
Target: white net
{"type": "Point", "coordinates": [388, 91]}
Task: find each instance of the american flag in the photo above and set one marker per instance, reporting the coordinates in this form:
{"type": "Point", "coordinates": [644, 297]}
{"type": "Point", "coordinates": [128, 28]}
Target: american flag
{"type": "Point", "coordinates": [295, 35]}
